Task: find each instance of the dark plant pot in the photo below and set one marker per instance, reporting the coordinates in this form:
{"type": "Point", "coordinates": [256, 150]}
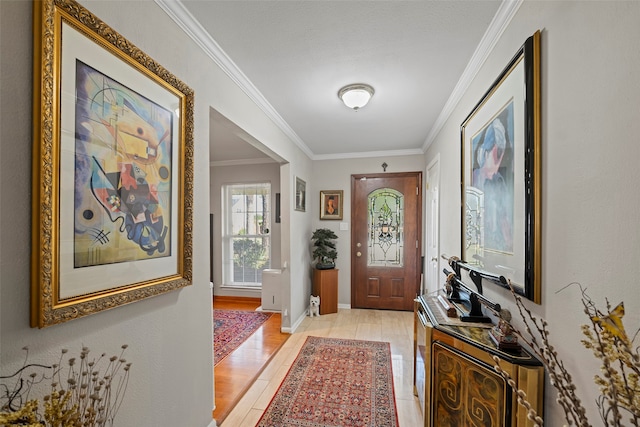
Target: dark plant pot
{"type": "Point", "coordinates": [320, 266]}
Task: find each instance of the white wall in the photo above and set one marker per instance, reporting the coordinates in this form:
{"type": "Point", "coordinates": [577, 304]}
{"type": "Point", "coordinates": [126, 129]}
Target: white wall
{"type": "Point", "coordinates": [299, 255]}
{"type": "Point", "coordinates": [590, 149]}
{"type": "Point", "coordinates": [169, 336]}
{"type": "Point", "coordinates": [222, 175]}
{"type": "Point", "coordinates": [336, 175]}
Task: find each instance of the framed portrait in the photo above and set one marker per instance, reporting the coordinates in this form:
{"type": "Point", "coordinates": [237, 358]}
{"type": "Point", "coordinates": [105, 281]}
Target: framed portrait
{"type": "Point", "coordinates": [112, 169]}
{"type": "Point", "coordinates": [331, 204]}
{"type": "Point", "coordinates": [501, 176]}
{"type": "Point", "coordinates": [301, 195]}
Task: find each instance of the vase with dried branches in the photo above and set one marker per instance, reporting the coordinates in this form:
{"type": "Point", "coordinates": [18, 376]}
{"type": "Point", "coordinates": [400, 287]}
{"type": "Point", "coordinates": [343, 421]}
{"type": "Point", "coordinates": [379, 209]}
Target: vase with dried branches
{"type": "Point", "coordinates": [84, 391]}
{"type": "Point", "coordinates": [605, 335]}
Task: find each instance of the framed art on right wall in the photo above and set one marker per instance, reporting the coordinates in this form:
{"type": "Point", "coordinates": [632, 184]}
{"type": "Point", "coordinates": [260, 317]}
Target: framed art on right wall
{"type": "Point", "coordinates": [501, 175]}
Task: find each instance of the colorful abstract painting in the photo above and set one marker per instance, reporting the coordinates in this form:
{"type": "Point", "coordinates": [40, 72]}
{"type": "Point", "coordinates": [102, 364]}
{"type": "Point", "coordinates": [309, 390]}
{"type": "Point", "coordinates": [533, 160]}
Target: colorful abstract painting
{"type": "Point", "coordinates": [122, 174]}
{"type": "Point", "coordinates": [493, 175]}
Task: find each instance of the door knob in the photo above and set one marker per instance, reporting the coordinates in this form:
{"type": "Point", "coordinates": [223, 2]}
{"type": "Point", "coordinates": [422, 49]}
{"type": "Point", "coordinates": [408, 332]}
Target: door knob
{"type": "Point", "coordinates": [358, 254]}
{"type": "Point", "coordinates": [434, 259]}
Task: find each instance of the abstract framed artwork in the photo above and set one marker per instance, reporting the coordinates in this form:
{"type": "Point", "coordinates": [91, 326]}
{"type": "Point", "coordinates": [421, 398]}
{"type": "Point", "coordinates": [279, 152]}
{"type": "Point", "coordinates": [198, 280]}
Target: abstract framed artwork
{"type": "Point", "coordinates": [112, 169]}
{"type": "Point", "coordinates": [501, 175]}
{"type": "Point", "coordinates": [301, 194]}
{"type": "Point", "coordinates": [331, 204]}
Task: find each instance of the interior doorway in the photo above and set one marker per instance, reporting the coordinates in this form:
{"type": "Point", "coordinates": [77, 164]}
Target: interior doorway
{"type": "Point", "coordinates": [235, 156]}
{"type": "Point", "coordinates": [433, 226]}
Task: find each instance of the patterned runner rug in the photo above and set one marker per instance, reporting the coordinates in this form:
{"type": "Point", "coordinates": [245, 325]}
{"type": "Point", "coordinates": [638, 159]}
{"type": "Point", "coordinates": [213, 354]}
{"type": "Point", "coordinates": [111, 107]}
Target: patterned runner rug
{"type": "Point", "coordinates": [336, 382]}
{"type": "Point", "coordinates": [231, 328]}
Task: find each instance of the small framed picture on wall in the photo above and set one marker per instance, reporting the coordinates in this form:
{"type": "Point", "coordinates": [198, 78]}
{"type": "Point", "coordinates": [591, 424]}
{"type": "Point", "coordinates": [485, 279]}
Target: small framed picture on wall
{"type": "Point", "coordinates": [331, 204]}
{"type": "Point", "coordinates": [301, 195]}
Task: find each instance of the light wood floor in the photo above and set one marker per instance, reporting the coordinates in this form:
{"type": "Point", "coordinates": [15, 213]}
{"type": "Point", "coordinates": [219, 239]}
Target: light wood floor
{"type": "Point", "coordinates": [377, 325]}
{"type": "Point", "coordinates": [236, 372]}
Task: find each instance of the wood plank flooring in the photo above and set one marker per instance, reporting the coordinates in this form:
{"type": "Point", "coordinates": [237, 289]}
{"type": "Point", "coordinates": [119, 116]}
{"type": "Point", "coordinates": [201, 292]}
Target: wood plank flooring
{"type": "Point", "coordinates": [236, 372]}
{"type": "Point", "coordinates": [394, 327]}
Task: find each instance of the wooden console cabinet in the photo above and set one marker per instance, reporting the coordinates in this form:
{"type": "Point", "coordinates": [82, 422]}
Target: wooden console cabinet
{"type": "Point", "coordinates": [325, 285]}
{"type": "Point", "coordinates": [454, 377]}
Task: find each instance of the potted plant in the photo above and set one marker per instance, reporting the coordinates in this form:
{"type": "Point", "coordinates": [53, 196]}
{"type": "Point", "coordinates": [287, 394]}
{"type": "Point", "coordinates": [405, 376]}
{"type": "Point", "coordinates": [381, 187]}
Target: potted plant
{"type": "Point", "coordinates": [324, 251]}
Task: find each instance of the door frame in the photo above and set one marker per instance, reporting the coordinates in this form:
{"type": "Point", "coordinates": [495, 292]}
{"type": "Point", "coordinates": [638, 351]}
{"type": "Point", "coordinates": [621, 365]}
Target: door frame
{"type": "Point", "coordinates": [432, 224]}
{"type": "Point", "coordinates": [419, 226]}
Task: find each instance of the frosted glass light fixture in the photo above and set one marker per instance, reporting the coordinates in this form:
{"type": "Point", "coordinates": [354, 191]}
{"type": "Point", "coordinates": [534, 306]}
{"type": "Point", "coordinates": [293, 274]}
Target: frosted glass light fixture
{"type": "Point", "coordinates": [356, 96]}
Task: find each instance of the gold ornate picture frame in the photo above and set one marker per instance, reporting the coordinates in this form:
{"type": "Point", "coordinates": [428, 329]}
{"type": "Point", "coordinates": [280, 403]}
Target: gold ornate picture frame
{"type": "Point", "coordinates": [112, 169]}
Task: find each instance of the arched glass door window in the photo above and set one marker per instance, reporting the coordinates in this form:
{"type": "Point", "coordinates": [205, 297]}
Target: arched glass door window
{"type": "Point", "coordinates": [385, 225]}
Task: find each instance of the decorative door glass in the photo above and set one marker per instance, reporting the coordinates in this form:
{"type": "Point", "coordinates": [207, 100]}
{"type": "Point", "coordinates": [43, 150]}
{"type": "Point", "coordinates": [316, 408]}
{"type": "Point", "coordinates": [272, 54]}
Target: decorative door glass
{"type": "Point", "coordinates": [474, 229]}
{"type": "Point", "coordinates": [385, 225]}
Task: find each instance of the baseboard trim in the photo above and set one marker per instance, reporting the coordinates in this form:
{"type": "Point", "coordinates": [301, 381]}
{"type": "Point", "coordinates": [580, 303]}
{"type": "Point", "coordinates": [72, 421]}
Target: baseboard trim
{"type": "Point", "coordinates": [293, 328]}
{"type": "Point", "coordinates": [233, 298]}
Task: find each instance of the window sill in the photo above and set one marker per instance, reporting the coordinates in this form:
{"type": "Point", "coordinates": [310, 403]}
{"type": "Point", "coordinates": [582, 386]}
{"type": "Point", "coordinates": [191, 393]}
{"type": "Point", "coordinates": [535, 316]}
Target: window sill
{"type": "Point", "coordinates": [257, 287]}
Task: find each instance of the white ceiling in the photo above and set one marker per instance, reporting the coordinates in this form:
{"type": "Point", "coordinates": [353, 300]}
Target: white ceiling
{"type": "Point", "coordinates": [292, 57]}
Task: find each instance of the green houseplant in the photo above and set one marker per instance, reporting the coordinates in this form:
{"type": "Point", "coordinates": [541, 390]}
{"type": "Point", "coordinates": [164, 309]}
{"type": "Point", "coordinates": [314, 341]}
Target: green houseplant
{"type": "Point", "coordinates": [324, 252]}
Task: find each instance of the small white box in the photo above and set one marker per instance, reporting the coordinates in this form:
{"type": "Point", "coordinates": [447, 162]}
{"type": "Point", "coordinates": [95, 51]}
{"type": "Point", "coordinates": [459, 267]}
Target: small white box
{"type": "Point", "coordinates": [271, 290]}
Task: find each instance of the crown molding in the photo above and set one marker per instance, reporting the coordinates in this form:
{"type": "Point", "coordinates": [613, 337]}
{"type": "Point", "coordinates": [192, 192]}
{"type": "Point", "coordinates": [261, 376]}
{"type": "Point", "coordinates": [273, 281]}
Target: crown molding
{"type": "Point", "coordinates": [241, 162]}
{"type": "Point", "coordinates": [368, 154]}
{"type": "Point", "coordinates": [185, 20]}
{"type": "Point", "coordinates": [499, 23]}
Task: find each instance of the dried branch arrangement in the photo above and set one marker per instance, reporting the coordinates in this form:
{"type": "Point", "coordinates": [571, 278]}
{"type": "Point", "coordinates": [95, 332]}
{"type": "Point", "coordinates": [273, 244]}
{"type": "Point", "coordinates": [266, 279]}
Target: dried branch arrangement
{"type": "Point", "coordinates": [605, 335]}
{"type": "Point", "coordinates": [82, 393]}
{"type": "Point", "coordinates": [522, 396]}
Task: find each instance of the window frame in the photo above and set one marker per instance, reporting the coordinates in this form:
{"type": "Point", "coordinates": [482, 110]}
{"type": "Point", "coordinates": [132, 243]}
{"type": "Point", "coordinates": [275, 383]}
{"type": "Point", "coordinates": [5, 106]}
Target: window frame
{"type": "Point", "coordinates": [228, 236]}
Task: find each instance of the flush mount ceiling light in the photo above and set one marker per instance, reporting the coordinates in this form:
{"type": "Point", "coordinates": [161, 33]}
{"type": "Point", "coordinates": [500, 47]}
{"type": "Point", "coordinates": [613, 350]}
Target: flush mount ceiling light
{"type": "Point", "coordinates": [356, 96]}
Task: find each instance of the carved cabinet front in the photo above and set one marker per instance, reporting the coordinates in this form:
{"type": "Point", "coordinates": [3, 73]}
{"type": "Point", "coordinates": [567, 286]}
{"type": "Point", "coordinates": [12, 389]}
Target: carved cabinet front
{"type": "Point", "coordinates": [455, 381]}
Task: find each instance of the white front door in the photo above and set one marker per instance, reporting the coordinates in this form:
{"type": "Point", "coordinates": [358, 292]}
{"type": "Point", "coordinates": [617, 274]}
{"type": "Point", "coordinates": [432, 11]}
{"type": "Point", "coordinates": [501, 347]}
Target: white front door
{"type": "Point", "coordinates": [433, 226]}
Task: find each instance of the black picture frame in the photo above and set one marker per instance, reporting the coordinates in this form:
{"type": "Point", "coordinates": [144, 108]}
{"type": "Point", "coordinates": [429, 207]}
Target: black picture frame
{"type": "Point", "coordinates": [501, 176]}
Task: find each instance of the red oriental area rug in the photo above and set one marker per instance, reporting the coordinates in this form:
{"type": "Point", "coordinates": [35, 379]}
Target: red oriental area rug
{"type": "Point", "coordinates": [231, 328]}
{"type": "Point", "coordinates": [336, 382]}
